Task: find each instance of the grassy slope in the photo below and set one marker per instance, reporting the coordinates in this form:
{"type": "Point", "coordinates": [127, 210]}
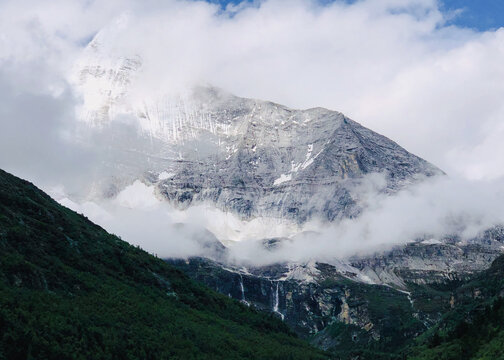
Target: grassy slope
{"type": "Point", "coordinates": [69, 290]}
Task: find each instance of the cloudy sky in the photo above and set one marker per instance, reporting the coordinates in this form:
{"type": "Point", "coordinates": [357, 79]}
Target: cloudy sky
{"type": "Point", "coordinates": [428, 74]}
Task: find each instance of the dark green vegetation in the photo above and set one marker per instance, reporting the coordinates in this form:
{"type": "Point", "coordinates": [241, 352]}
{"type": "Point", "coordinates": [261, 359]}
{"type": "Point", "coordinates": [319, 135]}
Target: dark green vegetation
{"type": "Point", "coordinates": [474, 329]}
{"type": "Point", "coordinates": [69, 290]}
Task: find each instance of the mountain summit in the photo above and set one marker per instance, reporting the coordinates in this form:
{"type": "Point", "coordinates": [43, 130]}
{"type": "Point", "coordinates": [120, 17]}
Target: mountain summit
{"type": "Point", "coordinates": [251, 158]}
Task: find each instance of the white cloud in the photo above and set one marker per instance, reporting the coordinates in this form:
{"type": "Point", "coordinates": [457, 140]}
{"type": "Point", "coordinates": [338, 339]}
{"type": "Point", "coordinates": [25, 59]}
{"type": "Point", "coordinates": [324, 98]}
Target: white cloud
{"type": "Point", "coordinates": [436, 208]}
{"type": "Point", "coordinates": [432, 209]}
{"type": "Point", "coordinates": [394, 66]}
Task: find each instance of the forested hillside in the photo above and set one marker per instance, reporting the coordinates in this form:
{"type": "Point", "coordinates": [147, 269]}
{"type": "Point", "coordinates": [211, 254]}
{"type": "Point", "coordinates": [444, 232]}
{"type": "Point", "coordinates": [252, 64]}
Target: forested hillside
{"type": "Point", "coordinates": [70, 290]}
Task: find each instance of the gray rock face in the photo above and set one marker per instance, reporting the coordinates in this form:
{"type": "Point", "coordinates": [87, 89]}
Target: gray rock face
{"type": "Point", "coordinates": [362, 292]}
{"type": "Point", "coordinates": [278, 162]}
{"type": "Point", "coordinates": [303, 305]}
{"type": "Point", "coordinates": [428, 263]}
{"type": "Point", "coordinates": [310, 308]}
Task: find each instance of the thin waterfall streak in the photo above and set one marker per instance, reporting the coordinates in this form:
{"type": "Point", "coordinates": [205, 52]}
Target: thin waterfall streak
{"type": "Point", "coordinates": [276, 302]}
{"type": "Point", "coordinates": [243, 300]}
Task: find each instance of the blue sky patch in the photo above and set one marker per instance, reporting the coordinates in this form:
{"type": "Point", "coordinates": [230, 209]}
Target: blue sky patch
{"type": "Point", "coordinates": [476, 14]}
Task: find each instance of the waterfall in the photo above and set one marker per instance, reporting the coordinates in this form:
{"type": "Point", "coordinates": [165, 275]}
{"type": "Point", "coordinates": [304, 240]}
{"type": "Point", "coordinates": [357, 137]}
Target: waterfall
{"type": "Point", "coordinates": [243, 300]}
{"type": "Point", "coordinates": [276, 302]}
{"type": "Point", "coordinates": [242, 288]}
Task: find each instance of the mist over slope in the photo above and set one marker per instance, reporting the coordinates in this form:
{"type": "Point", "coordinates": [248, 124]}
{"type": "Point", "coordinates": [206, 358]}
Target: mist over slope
{"type": "Point", "coordinates": [114, 103]}
{"type": "Point", "coordinates": [248, 170]}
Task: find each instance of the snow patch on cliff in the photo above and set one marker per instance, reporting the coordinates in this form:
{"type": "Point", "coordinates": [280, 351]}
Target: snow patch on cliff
{"type": "Point", "coordinates": [283, 178]}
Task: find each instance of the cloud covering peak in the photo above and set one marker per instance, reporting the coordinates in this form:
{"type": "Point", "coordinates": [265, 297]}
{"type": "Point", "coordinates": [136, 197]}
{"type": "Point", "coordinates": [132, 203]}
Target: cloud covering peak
{"type": "Point", "coordinates": [397, 67]}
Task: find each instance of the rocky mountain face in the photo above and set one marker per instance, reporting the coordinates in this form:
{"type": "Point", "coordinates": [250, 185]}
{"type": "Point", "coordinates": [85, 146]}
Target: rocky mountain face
{"type": "Point", "coordinates": [271, 161]}
{"type": "Point", "coordinates": [433, 261]}
{"type": "Point", "coordinates": [380, 301]}
{"type": "Point", "coordinates": [248, 157]}
{"type": "Point", "coordinates": [260, 160]}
